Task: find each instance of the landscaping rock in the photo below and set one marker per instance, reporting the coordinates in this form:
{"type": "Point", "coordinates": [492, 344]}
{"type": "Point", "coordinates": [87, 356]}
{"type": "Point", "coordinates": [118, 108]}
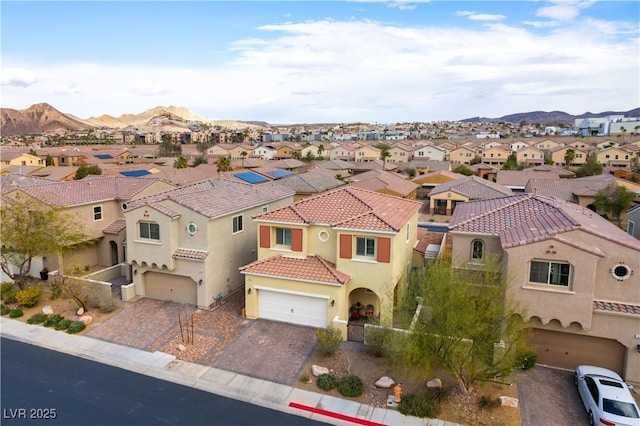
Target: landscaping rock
{"type": "Point", "coordinates": [80, 311]}
{"type": "Point", "coordinates": [182, 348]}
{"type": "Point", "coordinates": [435, 383]}
{"type": "Point", "coordinates": [318, 371]}
{"type": "Point", "coordinates": [47, 310]}
{"type": "Point", "coordinates": [384, 382]}
{"type": "Point", "coordinates": [86, 319]}
{"type": "Point", "coordinates": [507, 401]}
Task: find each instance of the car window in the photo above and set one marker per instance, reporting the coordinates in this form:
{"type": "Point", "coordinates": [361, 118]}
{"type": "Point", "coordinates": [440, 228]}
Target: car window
{"type": "Point", "coordinates": [593, 388]}
{"type": "Point", "coordinates": [620, 408]}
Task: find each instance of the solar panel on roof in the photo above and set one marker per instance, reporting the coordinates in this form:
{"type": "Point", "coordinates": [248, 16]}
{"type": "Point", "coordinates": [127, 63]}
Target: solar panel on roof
{"type": "Point", "coordinates": [135, 173]}
{"type": "Point", "coordinates": [279, 173]}
{"type": "Point", "coordinates": [251, 177]}
{"type": "Point", "coordinates": [103, 156]}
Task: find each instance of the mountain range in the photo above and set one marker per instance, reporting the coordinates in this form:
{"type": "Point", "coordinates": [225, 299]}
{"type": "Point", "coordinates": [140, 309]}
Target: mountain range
{"type": "Point", "coordinates": [43, 117]}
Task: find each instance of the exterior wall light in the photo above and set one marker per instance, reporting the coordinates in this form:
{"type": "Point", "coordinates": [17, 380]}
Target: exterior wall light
{"type": "Point", "coordinates": [333, 303]}
{"type": "Point", "coordinates": [249, 291]}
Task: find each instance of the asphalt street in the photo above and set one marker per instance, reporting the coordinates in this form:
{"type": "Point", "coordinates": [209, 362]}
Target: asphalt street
{"type": "Point", "coordinates": [45, 387]}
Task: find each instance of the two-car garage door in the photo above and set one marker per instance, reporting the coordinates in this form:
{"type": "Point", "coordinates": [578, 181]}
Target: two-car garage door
{"type": "Point", "coordinates": [174, 288]}
{"type": "Point", "coordinates": [292, 308]}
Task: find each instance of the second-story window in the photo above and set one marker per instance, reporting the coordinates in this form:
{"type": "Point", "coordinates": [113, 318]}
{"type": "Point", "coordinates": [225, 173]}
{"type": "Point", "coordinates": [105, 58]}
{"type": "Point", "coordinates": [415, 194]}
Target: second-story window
{"type": "Point", "coordinates": [283, 237]}
{"type": "Point", "coordinates": [149, 230]}
{"type": "Point", "coordinates": [97, 213]}
{"type": "Point", "coordinates": [365, 246]}
{"type": "Point", "coordinates": [477, 250]}
{"type": "Point", "coordinates": [238, 224]}
{"type": "Point", "coordinates": [552, 273]}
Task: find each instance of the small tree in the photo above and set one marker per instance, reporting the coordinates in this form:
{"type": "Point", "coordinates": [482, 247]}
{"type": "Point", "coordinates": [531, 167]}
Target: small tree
{"type": "Point", "coordinates": [180, 163]}
{"type": "Point", "coordinates": [30, 229]}
{"type": "Point", "coordinates": [329, 340]}
{"type": "Point", "coordinates": [590, 168]}
{"type": "Point", "coordinates": [200, 159]}
{"type": "Point", "coordinates": [224, 164]}
{"type": "Point", "coordinates": [511, 163]}
{"type": "Point", "coordinates": [614, 199]}
{"type": "Point", "coordinates": [84, 171]}
{"type": "Point", "coordinates": [384, 153]}
{"type": "Point", "coordinates": [463, 170]}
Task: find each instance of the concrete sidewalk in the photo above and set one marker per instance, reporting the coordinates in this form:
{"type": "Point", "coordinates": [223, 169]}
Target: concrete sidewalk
{"type": "Point", "coordinates": [319, 407]}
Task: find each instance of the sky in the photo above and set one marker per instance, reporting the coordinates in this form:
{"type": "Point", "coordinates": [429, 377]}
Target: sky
{"type": "Point", "coordinates": [293, 62]}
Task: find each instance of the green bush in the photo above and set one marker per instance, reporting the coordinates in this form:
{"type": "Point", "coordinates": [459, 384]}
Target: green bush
{"type": "Point", "coordinates": [76, 327]}
{"type": "Point", "coordinates": [16, 313]}
{"type": "Point", "coordinates": [29, 297]}
{"type": "Point", "coordinates": [55, 289]}
{"type": "Point", "coordinates": [326, 382]}
{"type": "Point", "coordinates": [378, 340]}
{"type": "Point", "coordinates": [107, 306]}
{"type": "Point", "coordinates": [53, 320]}
{"type": "Point", "coordinates": [419, 406]}
{"type": "Point", "coordinates": [329, 340]}
{"type": "Point", "coordinates": [4, 310]}
{"type": "Point", "coordinates": [38, 318]}
{"type": "Point", "coordinates": [351, 386]}
{"type": "Point", "coordinates": [8, 292]}
{"type": "Point", "coordinates": [304, 377]}
{"type": "Point", "coordinates": [528, 359]}
{"type": "Point", "coordinates": [63, 324]}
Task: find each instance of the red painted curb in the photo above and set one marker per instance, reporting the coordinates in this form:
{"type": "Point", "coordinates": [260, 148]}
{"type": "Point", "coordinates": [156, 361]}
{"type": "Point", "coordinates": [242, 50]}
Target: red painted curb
{"type": "Point", "coordinates": [334, 415]}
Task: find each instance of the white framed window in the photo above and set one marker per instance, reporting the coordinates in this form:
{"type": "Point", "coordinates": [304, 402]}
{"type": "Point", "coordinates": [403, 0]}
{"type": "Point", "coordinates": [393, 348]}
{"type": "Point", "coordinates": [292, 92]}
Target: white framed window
{"type": "Point", "coordinates": [238, 224]}
{"type": "Point", "coordinates": [283, 237]}
{"type": "Point", "coordinates": [265, 209]}
{"type": "Point", "coordinates": [551, 273]}
{"type": "Point", "coordinates": [630, 227]}
{"type": "Point", "coordinates": [192, 228]}
{"type": "Point", "coordinates": [477, 250]}
{"type": "Point", "coordinates": [365, 246]}
{"type": "Point", "coordinates": [97, 213]}
{"type": "Point", "coordinates": [149, 231]}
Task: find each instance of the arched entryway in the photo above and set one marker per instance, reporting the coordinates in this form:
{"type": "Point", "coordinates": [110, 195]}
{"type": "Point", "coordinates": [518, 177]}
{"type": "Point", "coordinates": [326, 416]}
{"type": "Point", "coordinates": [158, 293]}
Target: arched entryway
{"type": "Point", "coordinates": [364, 307]}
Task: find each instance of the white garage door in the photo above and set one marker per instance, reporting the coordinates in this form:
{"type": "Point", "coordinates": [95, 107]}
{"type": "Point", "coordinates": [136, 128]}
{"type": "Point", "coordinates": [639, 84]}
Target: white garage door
{"type": "Point", "coordinates": [174, 288]}
{"type": "Point", "coordinates": [292, 308]}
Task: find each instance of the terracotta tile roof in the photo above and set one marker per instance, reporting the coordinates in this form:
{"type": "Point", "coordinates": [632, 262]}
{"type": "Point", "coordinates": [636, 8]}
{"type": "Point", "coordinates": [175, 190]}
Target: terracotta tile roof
{"type": "Point", "coordinates": [115, 227]}
{"type": "Point", "coordinates": [13, 181]}
{"type": "Point", "coordinates": [568, 189]}
{"type": "Point", "coordinates": [425, 238]}
{"type": "Point", "coordinates": [526, 218]}
{"type": "Point", "coordinates": [473, 188]}
{"type": "Point", "coordinates": [348, 207]}
{"type": "Point", "coordinates": [88, 190]}
{"type": "Point", "coordinates": [311, 182]}
{"type": "Point", "coordinates": [375, 180]}
{"type": "Point", "coordinates": [519, 178]}
{"type": "Point", "coordinates": [191, 254]}
{"type": "Point", "coordinates": [214, 197]}
{"type": "Point", "coordinates": [311, 268]}
{"type": "Point", "coordinates": [624, 308]}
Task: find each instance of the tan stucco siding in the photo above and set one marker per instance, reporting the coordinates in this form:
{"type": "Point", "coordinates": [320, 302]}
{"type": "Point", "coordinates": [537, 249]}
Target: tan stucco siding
{"type": "Point", "coordinates": [151, 252]}
{"type": "Point", "coordinates": [462, 248]}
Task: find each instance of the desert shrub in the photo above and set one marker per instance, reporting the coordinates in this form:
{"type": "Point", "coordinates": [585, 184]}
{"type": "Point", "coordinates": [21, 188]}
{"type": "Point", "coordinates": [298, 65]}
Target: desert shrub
{"type": "Point", "coordinates": [329, 340]}
{"type": "Point", "coordinates": [378, 340]}
{"type": "Point", "coordinates": [419, 406]}
{"type": "Point", "coordinates": [326, 382]}
{"type": "Point", "coordinates": [55, 289]}
{"type": "Point", "coordinates": [63, 324]}
{"type": "Point", "coordinates": [486, 402]}
{"type": "Point", "coordinates": [351, 386]}
{"type": "Point", "coordinates": [8, 292]}
{"type": "Point", "coordinates": [438, 394]}
{"type": "Point", "coordinates": [76, 327]}
{"type": "Point", "coordinates": [528, 359]}
{"type": "Point", "coordinates": [304, 377]}
{"type": "Point", "coordinates": [92, 302]}
{"type": "Point", "coordinates": [107, 306]}
{"type": "Point", "coordinates": [29, 297]}
{"type": "Point", "coordinates": [16, 313]}
{"type": "Point", "coordinates": [38, 318]}
{"type": "Point", "coordinates": [4, 310]}
{"type": "Point", "coordinates": [53, 320]}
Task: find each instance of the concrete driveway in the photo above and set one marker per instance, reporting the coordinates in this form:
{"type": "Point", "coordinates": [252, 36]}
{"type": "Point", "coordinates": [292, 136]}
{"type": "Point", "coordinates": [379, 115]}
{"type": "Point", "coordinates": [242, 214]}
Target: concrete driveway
{"type": "Point", "coordinates": [548, 397]}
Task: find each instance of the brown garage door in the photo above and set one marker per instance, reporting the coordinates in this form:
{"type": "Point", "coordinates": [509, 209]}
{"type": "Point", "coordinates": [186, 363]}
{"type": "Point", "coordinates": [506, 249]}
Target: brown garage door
{"type": "Point", "coordinates": [568, 350]}
{"type": "Point", "coordinates": [174, 288]}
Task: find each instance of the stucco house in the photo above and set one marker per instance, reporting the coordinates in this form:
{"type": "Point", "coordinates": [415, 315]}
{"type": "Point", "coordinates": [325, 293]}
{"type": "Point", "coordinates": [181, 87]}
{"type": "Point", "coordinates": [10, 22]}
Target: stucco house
{"type": "Point", "coordinates": [615, 157]}
{"type": "Point", "coordinates": [185, 245]}
{"type": "Point", "coordinates": [573, 273]}
{"type": "Point", "coordinates": [325, 258]}
{"type": "Point", "coordinates": [530, 156]}
{"type": "Point", "coordinates": [19, 158]}
{"type": "Point", "coordinates": [444, 198]}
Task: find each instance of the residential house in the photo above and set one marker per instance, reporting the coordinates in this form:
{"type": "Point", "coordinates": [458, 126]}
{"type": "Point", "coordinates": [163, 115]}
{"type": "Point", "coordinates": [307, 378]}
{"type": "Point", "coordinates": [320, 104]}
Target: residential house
{"type": "Point", "coordinates": [633, 221]}
{"type": "Point", "coordinates": [332, 258]}
{"type": "Point", "coordinates": [265, 152]}
{"type": "Point", "coordinates": [314, 150]}
{"type": "Point", "coordinates": [614, 157]}
{"type": "Point", "coordinates": [430, 152]}
{"type": "Point", "coordinates": [312, 182]}
{"type": "Point", "coordinates": [495, 155]}
{"type": "Point", "coordinates": [287, 150]}
{"type": "Point", "coordinates": [485, 171]}
{"type": "Point", "coordinates": [530, 156]}
{"type": "Point", "coordinates": [19, 158]}
{"type": "Point", "coordinates": [385, 183]}
{"type": "Point", "coordinates": [367, 153]}
{"type": "Point", "coordinates": [548, 144]}
{"type": "Point", "coordinates": [517, 146]}
{"type": "Point", "coordinates": [345, 151]}
{"type": "Point", "coordinates": [186, 245]}
{"type": "Point", "coordinates": [444, 198]}
{"type": "Point", "coordinates": [64, 156]}
{"type": "Point", "coordinates": [571, 271]}
{"type": "Point", "coordinates": [400, 153]}
{"type": "Point", "coordinates": [558, 156]}
{"type": "Point", "coordinates": [428, 181]}
{"type": "Point", "coordinates": [462, 156]}
{"type": "Point", "coordinates": [337, 167]}
{"type": "Point", "coordinates": [516, 180]}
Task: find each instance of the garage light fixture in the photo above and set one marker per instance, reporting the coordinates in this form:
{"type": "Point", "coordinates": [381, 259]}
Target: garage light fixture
{"type": "Point", "coordinates": [249, 291]}
{"type": "Point", "coordinates": [333, 302]}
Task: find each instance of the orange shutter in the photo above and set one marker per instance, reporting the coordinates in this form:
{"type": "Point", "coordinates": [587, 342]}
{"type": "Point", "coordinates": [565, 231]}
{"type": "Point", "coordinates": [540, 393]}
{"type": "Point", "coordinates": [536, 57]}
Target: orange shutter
{"type": "Point", "coordinates": [265, 236]}
{"type": "Point", "coordinates": [384, 250]}
{"type": "Point", "coordinates": [345, 246]}
{"type": "Point", "coordinates": [296, 239]}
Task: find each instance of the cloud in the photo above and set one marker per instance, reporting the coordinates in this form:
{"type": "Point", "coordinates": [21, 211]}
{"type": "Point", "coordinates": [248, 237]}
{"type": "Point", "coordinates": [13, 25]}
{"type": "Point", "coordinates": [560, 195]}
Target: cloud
{"type": "Point", "coordinates": [563, 10]}
{"type": "Point", "coordinates": [475, 16]}
{"type": "Point", "coordinates": [17, 77]}
{"type": "Point", "coordinates": [149, 88]}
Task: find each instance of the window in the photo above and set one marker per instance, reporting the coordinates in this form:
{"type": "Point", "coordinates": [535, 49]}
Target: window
{"type": "Point", "coordinates": [283, 237]}
{"type": "Point", "coordinates": [149, 230]}
{"type": "Point", "coordinates": [552, 273]}
{"type": "Point", "coordinates": [630, 227]}
{"type": "Point", "coordinates": [97, 213]}
{"type": "Point", "coordinates": [265, 209]}
{"type": "Point", "coordinates": [238, 224]}
{"type": "Point", "coordinates": [365, 246]}
{"type": "Point", "coordinates": [477, 250]}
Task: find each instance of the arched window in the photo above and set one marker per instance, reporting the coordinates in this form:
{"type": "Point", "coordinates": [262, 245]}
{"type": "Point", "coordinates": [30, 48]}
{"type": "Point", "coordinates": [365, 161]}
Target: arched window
{"type": "Point", "coordinates": [477, 250]}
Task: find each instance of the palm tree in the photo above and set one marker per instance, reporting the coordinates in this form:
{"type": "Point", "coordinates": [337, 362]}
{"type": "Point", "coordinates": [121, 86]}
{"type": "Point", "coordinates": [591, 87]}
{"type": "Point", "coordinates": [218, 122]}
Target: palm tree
{"type": "Point", "coordinates": [569, 156]}
{"type": "Point", "coordinates": [384, 153]}
{"type": "Point", "coordinates": [243, 155]}
{"type": "Point", "coordinates": [623, 131]}
{"type": "Point", "coordinates": [224, 164]}
{"type": "Point", "coordinates": [180, 163]}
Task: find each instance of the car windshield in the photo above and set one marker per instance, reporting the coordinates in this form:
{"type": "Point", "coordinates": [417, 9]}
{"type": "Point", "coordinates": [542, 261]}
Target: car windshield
{"type": "Point", "coordinates": [619, 408]}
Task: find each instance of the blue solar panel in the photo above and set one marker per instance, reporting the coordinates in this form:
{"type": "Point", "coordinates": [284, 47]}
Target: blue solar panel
{"type": "Point", "coordinates": [103, 156]}
{"type": "Point", "coordinates": [251, 177]}
{"type": "Point", "coordinates": [135, 173]}
{"type": "Point", "coordinates": [279, 173]}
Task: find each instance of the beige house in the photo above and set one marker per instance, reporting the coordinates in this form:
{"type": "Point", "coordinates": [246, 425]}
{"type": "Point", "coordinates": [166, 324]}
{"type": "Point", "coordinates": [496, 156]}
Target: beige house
{"type": "Point", "coordinates": [444, 198]}
{"type": "Point", "coordinates": [428, 181]}
{"type": "Point", "coordinates": [557, 155]}
{"type": "Point", "coordinates": [615, 157]}
{"type": "Point", "coordinates": [572, 272]}
{"type": "Point", "coordinates": [548, 144]}
{"type": "Point", "coordinates": [400, 153]}
{"type": "Point", "coordinates": [19, 158]}
{"type": "Point", "coordinates": [496, 155]}
{"type": "Point", "coordinates": [462, 155]}
{"type": "Point", "coordinates": [332, 259]}
{"type": "Point", "coordinates": [186, 245]}
{"type": "Point", "coordinates": [430, 152]}
{"type": "Point", "coordinates": [530, 156]}
{"type": "Point", "coordinates": [385, 183]}
{"type": "Point", "coordinates": [367, 153]}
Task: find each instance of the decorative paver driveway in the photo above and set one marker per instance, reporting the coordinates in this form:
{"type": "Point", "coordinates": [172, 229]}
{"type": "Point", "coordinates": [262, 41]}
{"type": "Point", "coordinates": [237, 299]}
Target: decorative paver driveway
{"type": "Point", "coordinates": [548, 397]}
{"type": "Point", "coordinates": [223, 337]}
